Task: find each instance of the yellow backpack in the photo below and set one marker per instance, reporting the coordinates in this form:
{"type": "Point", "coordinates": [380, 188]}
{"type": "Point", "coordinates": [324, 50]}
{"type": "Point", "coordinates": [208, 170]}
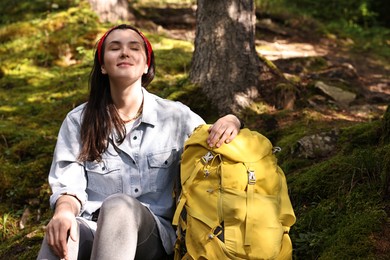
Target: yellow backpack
{"type": "Point", "coordinates": [235, 199]}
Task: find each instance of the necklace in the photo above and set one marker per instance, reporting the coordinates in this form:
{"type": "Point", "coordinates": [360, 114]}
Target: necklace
{"type": "Point", "coordinates": [137, 115]}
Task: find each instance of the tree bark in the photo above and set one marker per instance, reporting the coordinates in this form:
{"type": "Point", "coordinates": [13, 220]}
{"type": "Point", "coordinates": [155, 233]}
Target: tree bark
{"type": "Point", "coordinates": [225, 62]}
{"type": "Point", "coordinates": [111, 10]}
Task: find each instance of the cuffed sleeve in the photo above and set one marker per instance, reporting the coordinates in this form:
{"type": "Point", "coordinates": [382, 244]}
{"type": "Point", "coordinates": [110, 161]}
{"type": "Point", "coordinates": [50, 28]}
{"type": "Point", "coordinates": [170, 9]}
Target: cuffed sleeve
{"type": "Point", "coordinates": [67, 174]}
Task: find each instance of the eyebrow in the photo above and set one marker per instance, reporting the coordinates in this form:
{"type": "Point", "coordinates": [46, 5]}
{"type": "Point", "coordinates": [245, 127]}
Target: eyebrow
{"type": "Point", "coordinates": [130, 42]}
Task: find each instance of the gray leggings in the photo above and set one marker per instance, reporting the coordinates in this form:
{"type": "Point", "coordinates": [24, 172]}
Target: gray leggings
{"type": "Point", "coordinates": [125, 230]}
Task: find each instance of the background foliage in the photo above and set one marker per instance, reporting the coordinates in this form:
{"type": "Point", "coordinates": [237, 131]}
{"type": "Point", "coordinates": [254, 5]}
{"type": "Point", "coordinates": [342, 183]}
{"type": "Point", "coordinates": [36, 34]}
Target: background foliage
{"type": "Point", "coordinates": [46, 51]}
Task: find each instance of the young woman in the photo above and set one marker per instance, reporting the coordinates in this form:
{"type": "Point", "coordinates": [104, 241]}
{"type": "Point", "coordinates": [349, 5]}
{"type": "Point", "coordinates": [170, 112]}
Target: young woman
{"type": "Point", "coordinates": [117, 158]}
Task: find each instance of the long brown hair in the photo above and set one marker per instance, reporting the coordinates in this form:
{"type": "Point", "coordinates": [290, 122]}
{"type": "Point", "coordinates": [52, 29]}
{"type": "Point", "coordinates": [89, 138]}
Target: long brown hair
{"type": "Point", "coordinates": [100, 117]}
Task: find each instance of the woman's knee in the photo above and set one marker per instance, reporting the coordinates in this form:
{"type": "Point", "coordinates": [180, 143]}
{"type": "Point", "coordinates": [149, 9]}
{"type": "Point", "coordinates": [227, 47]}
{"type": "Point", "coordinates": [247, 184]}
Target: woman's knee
{"type": "Point", "coordinates": [120, 205]}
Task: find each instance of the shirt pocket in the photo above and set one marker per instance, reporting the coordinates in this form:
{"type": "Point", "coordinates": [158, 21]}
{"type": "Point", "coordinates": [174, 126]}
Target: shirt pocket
{"type": "Point", "coordinates": [161, 169]}
{"type": "Point", "coordinates": [104, 177]}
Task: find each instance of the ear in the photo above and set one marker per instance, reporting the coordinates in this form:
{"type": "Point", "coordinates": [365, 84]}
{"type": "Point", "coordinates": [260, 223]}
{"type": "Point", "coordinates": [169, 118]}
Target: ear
{"type": "Point", "coordinates": [146, 69]}
{"type": "Point", "coordinates": [103, 69]}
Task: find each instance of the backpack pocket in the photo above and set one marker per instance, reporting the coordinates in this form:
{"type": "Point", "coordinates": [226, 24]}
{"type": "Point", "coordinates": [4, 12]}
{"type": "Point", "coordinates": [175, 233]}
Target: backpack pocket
{"type": "Point", "coordinates": [265, 228]}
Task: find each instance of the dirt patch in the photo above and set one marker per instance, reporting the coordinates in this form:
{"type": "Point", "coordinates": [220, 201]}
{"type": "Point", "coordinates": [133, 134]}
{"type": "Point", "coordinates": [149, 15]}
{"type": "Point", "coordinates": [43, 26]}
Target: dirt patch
{"type": "Point", "coordinates": [297, 51]}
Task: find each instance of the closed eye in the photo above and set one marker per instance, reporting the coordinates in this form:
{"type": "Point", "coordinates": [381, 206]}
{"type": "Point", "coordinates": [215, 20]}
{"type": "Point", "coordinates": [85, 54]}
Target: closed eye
{"type": "Point", "coordinates": [114, 47]}
{"type": "Point", "coordinates": [135, 46]}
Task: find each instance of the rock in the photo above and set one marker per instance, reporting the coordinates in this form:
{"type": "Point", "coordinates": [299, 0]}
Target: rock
{"type": "Point", "coordinates": [341, 96]}
{"type": "Point", "coordinates": [317, 145]}
{"type": "Point", "coordinates": [25, 216]}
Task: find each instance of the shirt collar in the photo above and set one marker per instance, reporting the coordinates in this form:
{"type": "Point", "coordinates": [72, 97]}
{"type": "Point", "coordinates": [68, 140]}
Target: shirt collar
{"type": "Point", "coordinates": [149, 114]}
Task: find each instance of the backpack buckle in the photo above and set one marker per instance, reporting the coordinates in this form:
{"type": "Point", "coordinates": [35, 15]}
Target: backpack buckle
{"type": "Point", "coordinates": [251, 177]}
{"type": "Point", "coordinates": [276, 149]}
{"type": "Point", "coordinates": [207, 157]}
{"type": "Point", "coordinates": [206, 173]}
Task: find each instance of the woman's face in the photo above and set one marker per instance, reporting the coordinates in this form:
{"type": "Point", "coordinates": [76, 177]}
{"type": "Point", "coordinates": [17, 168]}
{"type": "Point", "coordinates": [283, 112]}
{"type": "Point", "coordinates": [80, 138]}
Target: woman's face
{"type": "Point", "coordinates": [124, 56]}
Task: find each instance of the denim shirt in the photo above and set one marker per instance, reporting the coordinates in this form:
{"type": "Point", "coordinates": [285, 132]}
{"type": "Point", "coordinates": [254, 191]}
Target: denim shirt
{"type": "Point", "coordinates": [146, 169]}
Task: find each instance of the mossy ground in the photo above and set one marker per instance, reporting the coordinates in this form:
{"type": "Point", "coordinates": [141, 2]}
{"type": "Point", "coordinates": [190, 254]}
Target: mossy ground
{"type": "Point", "coordinates": [46, 53]}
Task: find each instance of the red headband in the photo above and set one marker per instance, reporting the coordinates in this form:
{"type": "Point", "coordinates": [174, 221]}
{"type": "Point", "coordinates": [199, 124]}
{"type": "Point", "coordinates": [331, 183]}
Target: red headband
{"type": "Point", "coordinates": [147, 43]}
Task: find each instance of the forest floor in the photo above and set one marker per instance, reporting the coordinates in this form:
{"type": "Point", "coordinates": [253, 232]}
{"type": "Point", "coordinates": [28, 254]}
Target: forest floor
{"type": "Point", "coordinates": [293, 44]}
{"type": "Point", "coordinates": [298, 49]}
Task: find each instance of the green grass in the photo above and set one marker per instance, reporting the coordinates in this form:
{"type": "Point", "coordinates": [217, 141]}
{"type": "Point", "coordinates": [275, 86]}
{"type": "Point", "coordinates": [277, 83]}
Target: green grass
{"type": "Point", "coordinates": [46, 52]}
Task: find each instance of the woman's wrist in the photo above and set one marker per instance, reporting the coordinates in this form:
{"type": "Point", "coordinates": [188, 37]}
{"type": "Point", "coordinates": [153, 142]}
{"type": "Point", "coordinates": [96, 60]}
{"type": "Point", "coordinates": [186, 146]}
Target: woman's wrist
{"type": "Point", "coordinates": [68, 203]}
{"type": "Point", "coordinates": [240, 122]}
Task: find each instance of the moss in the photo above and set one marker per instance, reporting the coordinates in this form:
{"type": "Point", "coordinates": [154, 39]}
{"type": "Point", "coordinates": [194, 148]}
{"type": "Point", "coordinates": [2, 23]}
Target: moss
{"type": "Point", "coordinates": [34, 99]}
{"type": "Point", "coordinates": [15, 248]}
{"type": "Point", "coordinates": [172, 56]}
{"type": "Point", "coordinates": [271, 65]}
{"type": "Point", "coordinates": [44, 41]}
{"type": "Point", "coordinates": [338, 200]}
{"type": "Point", "coordinates": [385, 126]}
{"type": "Point", "coordinates": [193, 96]}
{"type": "Point", "coordinates": [338, 226]}
{"type": "Point", "coordinates": [351, 238]}
{"type": "Point", "coordinates": [385, 173]}
{"type": "Point", "coordinates": [335, 215]}
{"type": "Point", "coordinates": [359, 136]}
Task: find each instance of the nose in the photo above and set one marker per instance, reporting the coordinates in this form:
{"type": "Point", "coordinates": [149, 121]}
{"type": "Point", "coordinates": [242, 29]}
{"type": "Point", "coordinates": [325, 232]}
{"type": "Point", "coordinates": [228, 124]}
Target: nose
{"type": "Point", "coordinates": [124, 53]}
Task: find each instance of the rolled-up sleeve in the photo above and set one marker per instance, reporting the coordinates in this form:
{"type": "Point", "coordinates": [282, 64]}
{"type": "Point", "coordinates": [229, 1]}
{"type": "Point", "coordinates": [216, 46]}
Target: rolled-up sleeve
{"type": "Point", "coordinates": [67, 174]}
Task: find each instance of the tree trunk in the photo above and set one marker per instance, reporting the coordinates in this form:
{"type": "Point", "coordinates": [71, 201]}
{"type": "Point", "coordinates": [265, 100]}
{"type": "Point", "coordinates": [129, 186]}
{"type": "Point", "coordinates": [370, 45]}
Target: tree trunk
{"type": "Point", "coordinates": [225, 62]}
{"type": "Point", "coordinates": [111, 10]}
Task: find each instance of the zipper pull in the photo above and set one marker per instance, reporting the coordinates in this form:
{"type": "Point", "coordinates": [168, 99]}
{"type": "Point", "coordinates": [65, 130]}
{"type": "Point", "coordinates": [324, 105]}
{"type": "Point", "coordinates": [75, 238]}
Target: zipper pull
{"type": "Point", "coordinates": [251, 177]}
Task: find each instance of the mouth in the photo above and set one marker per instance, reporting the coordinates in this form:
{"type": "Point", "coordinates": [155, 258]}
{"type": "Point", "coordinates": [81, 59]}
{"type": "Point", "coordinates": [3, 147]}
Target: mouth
{"type": "Point", "coordinates": [124, 64]}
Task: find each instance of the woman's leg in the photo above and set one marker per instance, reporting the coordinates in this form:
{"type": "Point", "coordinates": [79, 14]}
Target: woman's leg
{"type": "Point", "coordinates": [80, 249]}
{"type": "Point", "coordinates": [126, 229]}
{"type": "Point", "coordinates": [87, 234]}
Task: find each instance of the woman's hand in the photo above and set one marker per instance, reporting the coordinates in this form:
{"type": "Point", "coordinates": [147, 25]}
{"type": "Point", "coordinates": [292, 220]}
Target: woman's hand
{"type": "Point", "coordinates": [63, 225]}
{"type": "Point", "coordinates": [224, 130]}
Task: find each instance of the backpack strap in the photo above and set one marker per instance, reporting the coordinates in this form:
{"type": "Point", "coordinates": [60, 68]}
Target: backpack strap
{"type": "Point", "coordinates": [249, 206]}
{"type": "Point", "coordinates": [184, 194]}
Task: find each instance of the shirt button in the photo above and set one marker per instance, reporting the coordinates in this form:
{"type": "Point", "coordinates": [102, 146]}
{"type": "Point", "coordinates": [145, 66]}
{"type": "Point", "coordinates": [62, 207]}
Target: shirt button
{"type": "Point", "coordinates": [134, 138]}
{"type": "Point", "coordinates": [136, 190]}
